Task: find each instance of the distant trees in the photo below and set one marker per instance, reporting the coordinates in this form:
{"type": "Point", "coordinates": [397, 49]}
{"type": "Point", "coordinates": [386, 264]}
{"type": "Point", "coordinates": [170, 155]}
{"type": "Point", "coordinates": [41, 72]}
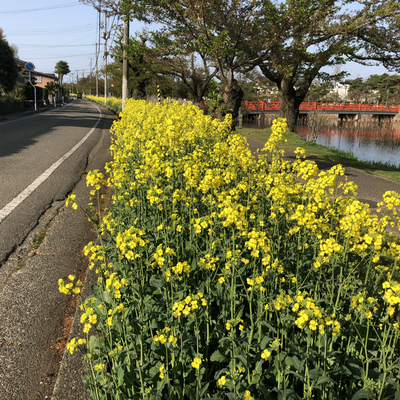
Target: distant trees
{"type": "Point", "coordinates": [218, 31]}
{"type": "Point", "coordinates": [320, 91]}
{"type": "Point", "coordinates": [233, 36]}
{"type": "Point", "coordinates": [8, 66]}
{"type": "Point", "coordinates": [358, 90]}
{"type": "Point", "coordinates": [376, 89]}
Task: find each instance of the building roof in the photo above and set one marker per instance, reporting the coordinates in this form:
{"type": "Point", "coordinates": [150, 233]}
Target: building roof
{"type": "Point", "coordinates": [22, 63]}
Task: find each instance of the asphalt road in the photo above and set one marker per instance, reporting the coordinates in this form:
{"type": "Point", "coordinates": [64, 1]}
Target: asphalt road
{"type": "Point", "coordinates": [37, 170]}
{"type": "Point", "coordinates": [37, 167]}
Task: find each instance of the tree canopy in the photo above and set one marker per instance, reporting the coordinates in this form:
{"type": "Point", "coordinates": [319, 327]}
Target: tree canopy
{"type": "Point", "coordinates": [376, 89]}
{"type": "Point", "coordinates": [218, 31]}
{"type": "Point", "coordinates": [321, 33]}
{"type": "Point", "coordinates": [291, 41]}
{"type": "Point", "coordinates": [61, 68]}
{"type": "Point", "coordinates": [8, 66]}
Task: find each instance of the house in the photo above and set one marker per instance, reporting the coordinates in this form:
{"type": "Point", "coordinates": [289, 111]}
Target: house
{"type": "Point", "coordinates": [40, 79]}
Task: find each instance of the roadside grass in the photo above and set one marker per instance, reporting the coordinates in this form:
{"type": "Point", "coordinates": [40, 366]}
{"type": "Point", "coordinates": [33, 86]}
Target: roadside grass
{"type": "Point", "coordinates": [316, 151]}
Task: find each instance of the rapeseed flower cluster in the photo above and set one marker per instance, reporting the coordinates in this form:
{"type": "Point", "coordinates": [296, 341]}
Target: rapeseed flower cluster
{"type": "Point", "coordinates": [68, 288]}
{"type": "Point", "coordinates": [221, 274]}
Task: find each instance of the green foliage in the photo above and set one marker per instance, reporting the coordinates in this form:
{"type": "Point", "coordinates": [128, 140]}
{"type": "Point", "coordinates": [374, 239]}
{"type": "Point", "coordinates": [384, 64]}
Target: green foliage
{"type": "Point", "coordinates": [376, 88]}
{"type": "Point", "coordinates": [41, 93]}
{"type": "Point", "coordinates": [316, 34]}
{"type": "Point", "coordinates": [8, 66]}
{"type": "Point", "coordinates": [61, 68]}
{"type": "Point", "coordinates": [320, 91]}
{"type": "Point", "coordinates": [385, 86]}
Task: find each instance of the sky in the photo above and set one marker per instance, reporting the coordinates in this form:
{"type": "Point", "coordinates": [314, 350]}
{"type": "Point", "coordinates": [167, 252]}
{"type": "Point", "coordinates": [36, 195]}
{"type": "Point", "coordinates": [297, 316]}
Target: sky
{"type": "Point", "coordinates": [47, 31]}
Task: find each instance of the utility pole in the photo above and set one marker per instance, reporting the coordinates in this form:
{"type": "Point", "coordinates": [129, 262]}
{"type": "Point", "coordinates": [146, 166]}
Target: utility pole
{"type": "Point", "coordinates": [90, 77]}
{"type": "Point", "coordinates": [125, 63]}
{"type": "Point", "coordinates": [105, 36]}
{"type": "Point", "coordinates": [97, 60]}
{"type": "Point", "coordinates": [97, 75]}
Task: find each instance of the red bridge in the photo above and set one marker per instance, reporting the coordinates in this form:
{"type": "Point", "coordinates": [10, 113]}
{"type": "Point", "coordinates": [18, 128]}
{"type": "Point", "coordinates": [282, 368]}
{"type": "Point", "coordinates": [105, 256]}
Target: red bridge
{"type": "Point", "coordinates": [255, 107]}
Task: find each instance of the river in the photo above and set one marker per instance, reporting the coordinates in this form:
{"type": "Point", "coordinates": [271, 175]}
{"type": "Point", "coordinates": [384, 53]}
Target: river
{"type": "Point", "coordinates": [368, 140]}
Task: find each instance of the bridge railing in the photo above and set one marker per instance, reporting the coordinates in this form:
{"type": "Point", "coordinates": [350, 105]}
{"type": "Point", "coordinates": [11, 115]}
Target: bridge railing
{"type": "Point", "coordinates": [263, 105]}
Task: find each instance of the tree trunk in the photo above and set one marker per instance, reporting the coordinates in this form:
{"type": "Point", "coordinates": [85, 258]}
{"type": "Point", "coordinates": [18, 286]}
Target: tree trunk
{"type": "Point", "coordinates": [289, 103]}
{"type": "Point", "coordinates": [231, 97]}
{"type": "Point", "coordinates": [125, 65]}
{"type": "Point", "coordinates": [141, 90]}
{"type": "Point", "coordinates": [289, 109]}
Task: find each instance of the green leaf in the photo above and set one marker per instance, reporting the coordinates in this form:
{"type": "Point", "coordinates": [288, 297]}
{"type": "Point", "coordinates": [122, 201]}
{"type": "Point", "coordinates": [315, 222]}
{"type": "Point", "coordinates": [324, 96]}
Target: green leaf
{"type": "Point", "coordinates": [361, 394]}
{"type": "Point", "coordinates": [218, 356]}
{"type": "Point", "coordinates": [264, 342]}
{"type": "Point", "coordinates": [154, 371]}
{"type": "Point", "coordinates": [204, 389]}
{"type": "Point", "coordinates": [255, 379]}
{"type": "Point", "coordinates": [158, 283]}
{"type": "Point", "coordinates": [269, 326]}
{"type": "Point", "coordinates": [343, 370]}
{"type": "Point", "coordinates": [394, 366]}
{"type": "Point", "coordinates": [324, 379]}
{"type": "Point", "coordinates": [356, 370]}
{"type": "Point", "coordinates": [107, 296]}
{"type": "Point", "coordinates": [120, 375]}
{"type": "Point", "coordinates": [243, 360]}
{"type": "Point", "coordinates": [315, 373]}
{"type": "Point", "coordinates": [297, 364]}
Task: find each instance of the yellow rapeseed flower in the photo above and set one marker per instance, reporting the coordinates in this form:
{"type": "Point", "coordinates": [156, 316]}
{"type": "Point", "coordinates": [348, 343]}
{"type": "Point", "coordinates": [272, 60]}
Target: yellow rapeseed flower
{"type": "Point", "coordinates": [196, 363]}
{"type": "Point", "coordinates": [222, 381]}
{"type": "Point", "coordinates": [265, 354]}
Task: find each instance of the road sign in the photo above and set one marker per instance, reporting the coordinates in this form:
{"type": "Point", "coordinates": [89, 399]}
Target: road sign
{"type": "Point", "coordinates": [30, 66]}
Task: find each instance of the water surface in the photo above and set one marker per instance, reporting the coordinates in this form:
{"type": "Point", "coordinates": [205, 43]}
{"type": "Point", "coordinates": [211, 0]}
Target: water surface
{"type": "Point", "coordinates": [368, 140]}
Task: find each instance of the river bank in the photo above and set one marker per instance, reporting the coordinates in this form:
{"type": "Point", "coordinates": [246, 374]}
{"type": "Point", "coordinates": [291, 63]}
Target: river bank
{"type": "Point", "coordinates": [314, 150]}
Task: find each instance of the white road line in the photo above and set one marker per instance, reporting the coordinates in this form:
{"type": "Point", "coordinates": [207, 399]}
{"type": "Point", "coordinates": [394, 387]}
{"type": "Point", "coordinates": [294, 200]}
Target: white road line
{"type": "Point", "coordinates": [16, 201]}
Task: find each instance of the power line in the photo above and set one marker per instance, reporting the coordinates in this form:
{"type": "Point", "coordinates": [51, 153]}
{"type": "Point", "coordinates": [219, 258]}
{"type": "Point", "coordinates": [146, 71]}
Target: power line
{"type": "Point", "coordinates": [54, 45]}
{"type": "Point", "coordinates": [51, 31]}
{"type": "Point", "coordinates": [42, 57]}
{"type": "Point", "coordinates": [42, 8]}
